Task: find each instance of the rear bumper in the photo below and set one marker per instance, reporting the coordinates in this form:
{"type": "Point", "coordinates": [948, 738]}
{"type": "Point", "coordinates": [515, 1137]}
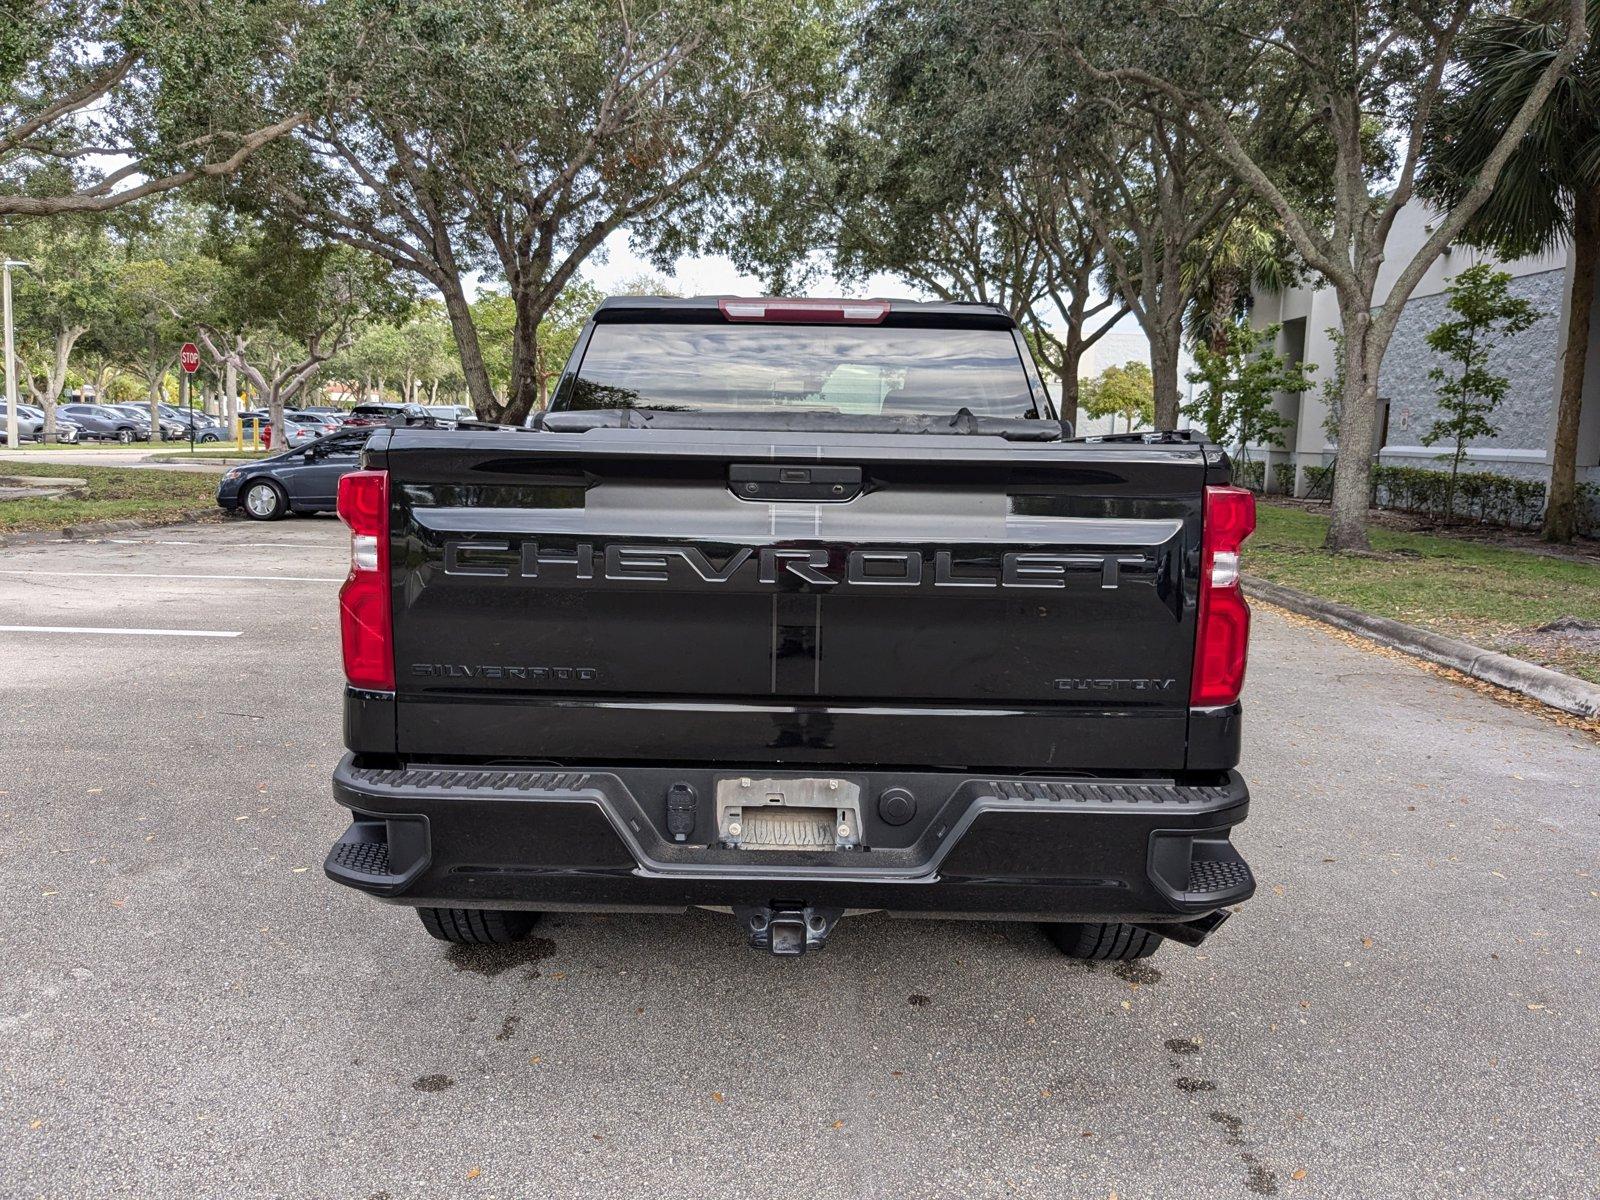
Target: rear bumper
{"type": "Point", "coordinates": [1128, 849]}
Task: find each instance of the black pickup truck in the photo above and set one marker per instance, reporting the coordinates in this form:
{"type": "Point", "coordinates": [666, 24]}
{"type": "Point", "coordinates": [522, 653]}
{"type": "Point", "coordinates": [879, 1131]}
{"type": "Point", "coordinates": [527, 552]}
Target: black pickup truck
{"type": "Point", "coordinates": [794, 609]}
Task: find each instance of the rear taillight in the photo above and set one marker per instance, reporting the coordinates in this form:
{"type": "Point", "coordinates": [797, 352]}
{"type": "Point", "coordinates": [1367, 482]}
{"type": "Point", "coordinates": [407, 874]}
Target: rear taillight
{"type": "Point", "coordinates": [1223, 637]}
{"type": "Point", "coordinates": [365, 623]}
{"type": "Point", "coordinates": [811, 312]}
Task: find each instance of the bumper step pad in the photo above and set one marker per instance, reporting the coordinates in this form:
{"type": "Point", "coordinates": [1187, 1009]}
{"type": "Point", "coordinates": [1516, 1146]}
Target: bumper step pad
{"type": "Point", "coordinates": [381, 857]}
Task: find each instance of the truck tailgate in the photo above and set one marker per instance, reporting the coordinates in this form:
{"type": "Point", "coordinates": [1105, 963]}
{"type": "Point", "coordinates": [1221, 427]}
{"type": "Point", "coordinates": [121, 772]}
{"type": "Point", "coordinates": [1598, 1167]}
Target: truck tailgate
{"type": "Point", "coordinates": [770, 598]}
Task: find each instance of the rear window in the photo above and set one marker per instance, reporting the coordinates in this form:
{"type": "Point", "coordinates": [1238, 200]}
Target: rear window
{"type": "Point", "coordinates": [879, 370]}
{"type": "Point", "coordinates": [374, 410]}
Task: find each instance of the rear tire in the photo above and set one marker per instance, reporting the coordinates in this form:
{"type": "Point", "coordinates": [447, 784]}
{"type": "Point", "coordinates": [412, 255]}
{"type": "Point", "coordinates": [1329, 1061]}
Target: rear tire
{"type": "Point", "coordinates": [477, 926]}
{"type": "Point", "coordinates": [1115, 942]}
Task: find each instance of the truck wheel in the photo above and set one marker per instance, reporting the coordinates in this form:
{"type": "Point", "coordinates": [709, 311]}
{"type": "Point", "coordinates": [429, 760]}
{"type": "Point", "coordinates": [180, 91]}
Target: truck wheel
{"type": "Point", "coordinates": [1107, 943]}
{"type": "Point", "coordinates": [477, 926]}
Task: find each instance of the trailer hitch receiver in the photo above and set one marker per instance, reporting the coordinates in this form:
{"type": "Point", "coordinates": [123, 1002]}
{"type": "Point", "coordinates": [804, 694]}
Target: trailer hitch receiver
{"type": "Point", "coordinates": [787, 928]}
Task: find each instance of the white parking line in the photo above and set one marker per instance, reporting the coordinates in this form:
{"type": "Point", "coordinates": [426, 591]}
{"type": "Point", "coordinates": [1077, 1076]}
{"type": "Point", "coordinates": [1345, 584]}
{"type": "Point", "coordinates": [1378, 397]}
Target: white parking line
{"type": "Point", "coordinates": [166, 575]}
{"type": "Point", "coordinates": [209, 633]}
{"type": "Point", "coordinates": [218, 545]}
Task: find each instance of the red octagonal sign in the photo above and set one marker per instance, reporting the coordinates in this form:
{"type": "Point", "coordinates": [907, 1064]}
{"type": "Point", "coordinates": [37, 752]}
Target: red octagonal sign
{"type": "Point", "coordinates": [189, 357]}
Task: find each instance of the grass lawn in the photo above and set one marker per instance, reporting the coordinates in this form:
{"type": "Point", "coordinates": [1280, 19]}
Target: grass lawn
{"type": "Point", "coordinates": [113, 493]}
{"type": "Point", "coordinates": [1487, 595]}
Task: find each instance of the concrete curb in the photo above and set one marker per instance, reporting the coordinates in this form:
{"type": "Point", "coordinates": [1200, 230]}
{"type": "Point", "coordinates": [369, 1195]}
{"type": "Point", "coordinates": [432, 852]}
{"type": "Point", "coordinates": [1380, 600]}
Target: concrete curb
{"type": "Point", "coordinates": [94, 529]}
{"type": "Point", "coordinates": [1539, 683]}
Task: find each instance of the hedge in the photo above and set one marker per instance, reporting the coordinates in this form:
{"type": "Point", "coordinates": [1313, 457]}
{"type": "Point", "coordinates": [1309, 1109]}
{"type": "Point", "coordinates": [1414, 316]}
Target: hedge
{"type": "Point", "coordinates": [1482, 496]}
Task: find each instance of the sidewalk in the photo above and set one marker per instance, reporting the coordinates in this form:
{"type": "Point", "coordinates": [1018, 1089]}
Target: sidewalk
{"type": "Point", "coordinates": [129, 456]}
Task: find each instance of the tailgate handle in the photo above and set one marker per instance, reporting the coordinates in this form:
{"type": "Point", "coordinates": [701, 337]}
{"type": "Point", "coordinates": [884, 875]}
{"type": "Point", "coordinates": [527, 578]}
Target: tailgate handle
{"type": "Point", "coordinates": [773, 481]}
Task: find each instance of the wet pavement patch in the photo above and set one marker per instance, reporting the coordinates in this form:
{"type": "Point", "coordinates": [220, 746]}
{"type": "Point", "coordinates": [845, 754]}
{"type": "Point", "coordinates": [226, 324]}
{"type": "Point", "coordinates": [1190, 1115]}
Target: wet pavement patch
{"type": "Point", "coordinates": [1260, 1179]}
{"type": "Point", "coordinates": [1233, 1127]}
{"type": "Point", "coordinates": [1187, 1083]}
{"type": "Point", "coordinates": [918, 1000]}
{"type": "Point", "coordinates": [433, 1083]}
{"type": "Point", "coordinates": [497, 960]}
{"type": "Point", "coordinates": [1137, 971]}
{"type": "Point", "coordinates": [1183, 1045]}
{"type": "Point", "coordinates": [508, 1027]}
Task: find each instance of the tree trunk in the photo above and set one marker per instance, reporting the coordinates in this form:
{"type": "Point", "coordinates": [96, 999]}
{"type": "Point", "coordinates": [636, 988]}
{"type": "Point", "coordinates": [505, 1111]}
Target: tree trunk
{"type": "Point", "coordinates": [1358, 409]}
{"type": "Point", "coordinates": [524, 395]}
{"type": "Point", "coordinates": [155, 411]}
{"type": "Point", "coordinates": [467, 346]}
{"type": "Point", "coordinates": [280, 433]}
{"type": "Point", "coordinates": [1561, 505]}
{"type": "Point", "coordinates": [1164, 370]}
{"type": "Point", "coordinates": [230, 387]}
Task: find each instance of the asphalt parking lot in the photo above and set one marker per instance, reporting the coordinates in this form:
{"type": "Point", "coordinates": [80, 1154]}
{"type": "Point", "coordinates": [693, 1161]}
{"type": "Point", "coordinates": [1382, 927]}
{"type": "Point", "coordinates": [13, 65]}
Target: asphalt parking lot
{"type": "Point", "coordinates": [1410, 1007]}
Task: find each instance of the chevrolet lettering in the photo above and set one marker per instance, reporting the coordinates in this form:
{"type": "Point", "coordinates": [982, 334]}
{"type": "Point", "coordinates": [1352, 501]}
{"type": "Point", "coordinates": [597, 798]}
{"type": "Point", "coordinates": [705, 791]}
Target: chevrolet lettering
{"type": "Point", "coordinates": [774, 567]}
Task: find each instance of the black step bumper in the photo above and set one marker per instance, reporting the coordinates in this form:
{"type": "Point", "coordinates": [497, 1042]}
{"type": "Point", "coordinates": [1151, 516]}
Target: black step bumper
{"type": "Point", "coordinates": [1081, 848]}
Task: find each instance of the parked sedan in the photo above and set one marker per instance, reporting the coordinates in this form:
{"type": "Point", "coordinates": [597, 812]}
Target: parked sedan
{"type": "Point", "coordinates": [304, 479]}
{"type": "Point", "coordinates": [104, 423]}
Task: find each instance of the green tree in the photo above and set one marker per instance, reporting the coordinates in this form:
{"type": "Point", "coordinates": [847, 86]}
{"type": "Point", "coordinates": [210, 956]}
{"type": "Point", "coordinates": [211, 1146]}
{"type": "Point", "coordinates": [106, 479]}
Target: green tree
{"type": "Point", "coordinates": [1355, 87]}
{"type": "Point", "coordinates": [986, 92]}
{"type": "Point", "coordinates": [104, 102]}
{"type": "Point", "coordinates": [877, 192]}
{"type": "Point", "coordinates": [1240, 386]}
{"type": "Point", "coordinates": [461, 136]}
{"type": "Point", "coordinates": [1127, 391]}
{"type": "Point", "coordinates": [1486, 314]}
{"type": "Point", "coordinates": [1548, 192]}
{"type": "Point", "coordinates": [64, 295]}
{"type": "Point", "coordinates": [278, 310]}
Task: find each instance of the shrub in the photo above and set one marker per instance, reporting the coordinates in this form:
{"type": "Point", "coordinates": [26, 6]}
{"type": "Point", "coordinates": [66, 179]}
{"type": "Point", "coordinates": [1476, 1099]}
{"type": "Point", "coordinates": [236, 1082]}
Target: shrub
{"type": "Point", "coordinates": [1250, 474]}
{"type": "Point", "coordinates": [1283, 478]}
{"type": "Point", "coordinates": [1482, 496]}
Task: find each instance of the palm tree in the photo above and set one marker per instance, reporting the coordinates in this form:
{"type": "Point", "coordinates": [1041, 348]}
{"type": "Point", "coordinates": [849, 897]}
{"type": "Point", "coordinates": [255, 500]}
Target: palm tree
{"type": "Point", "coordinates": [1548, 192]}
{"type": "Point", "coordinates": [1246, 252]}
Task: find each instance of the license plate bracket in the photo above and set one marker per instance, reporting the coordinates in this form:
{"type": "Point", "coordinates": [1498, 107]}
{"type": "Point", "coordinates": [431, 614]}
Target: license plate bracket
{"type": "Point", "coordinates": [788, 814]}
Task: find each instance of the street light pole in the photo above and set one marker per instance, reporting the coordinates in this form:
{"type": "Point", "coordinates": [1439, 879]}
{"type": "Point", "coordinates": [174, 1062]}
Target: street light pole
{"type": "Point", "coordinates": [13, 434]}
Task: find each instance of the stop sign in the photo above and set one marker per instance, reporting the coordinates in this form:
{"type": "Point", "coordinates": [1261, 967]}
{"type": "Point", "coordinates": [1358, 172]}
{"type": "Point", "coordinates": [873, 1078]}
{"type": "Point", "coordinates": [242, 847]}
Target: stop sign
{"type": "Point", "coordinates": [189, 357]}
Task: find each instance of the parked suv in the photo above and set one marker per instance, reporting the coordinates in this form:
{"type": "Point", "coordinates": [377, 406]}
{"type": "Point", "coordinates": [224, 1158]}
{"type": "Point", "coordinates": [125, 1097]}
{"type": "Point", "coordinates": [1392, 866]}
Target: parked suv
{"type": "Point", "coordinates": [382, 414]}
{"type": "Point", "coordinates": [101, 422]}
{"type": "Point", "coordinates": [28, 425]}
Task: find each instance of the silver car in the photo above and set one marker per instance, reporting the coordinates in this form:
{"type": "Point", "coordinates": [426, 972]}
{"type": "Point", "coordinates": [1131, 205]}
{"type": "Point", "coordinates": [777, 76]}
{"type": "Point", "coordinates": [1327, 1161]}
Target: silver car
{"type": "Point", "coordinates": [28, 426]}
{"type": "Point", "coordinates": [68, 431]}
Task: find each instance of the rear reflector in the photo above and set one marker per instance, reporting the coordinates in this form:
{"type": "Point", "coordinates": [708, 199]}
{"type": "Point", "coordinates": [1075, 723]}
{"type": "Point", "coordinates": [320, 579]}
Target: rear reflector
{"type": "Point", "coordinates": [812, 312]}
{"type": "Point", "coordinates": [1223, 636]}
{"type": "Point", "coordinates": [366, 626]}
